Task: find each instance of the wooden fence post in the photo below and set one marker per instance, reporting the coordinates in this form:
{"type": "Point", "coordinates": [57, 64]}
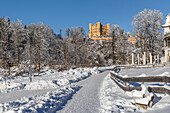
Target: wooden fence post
{"type": "Point", "coordinates": [125, 83]}
{"type": "Point", "coordinates": [165, 83]}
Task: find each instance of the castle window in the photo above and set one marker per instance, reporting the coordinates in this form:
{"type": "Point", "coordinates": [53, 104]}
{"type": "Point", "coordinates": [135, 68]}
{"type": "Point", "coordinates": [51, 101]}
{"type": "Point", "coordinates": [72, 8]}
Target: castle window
{"type": "Point", "coordinates": [168, 41]}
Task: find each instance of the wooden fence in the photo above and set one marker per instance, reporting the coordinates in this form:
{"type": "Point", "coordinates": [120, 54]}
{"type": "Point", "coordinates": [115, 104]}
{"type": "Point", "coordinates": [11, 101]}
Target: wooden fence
{"type": "Point", "coordinates": [164, 79]}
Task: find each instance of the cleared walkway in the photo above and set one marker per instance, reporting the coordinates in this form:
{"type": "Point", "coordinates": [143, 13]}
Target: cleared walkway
{"type": "Point", "coordinates": [86, 100]}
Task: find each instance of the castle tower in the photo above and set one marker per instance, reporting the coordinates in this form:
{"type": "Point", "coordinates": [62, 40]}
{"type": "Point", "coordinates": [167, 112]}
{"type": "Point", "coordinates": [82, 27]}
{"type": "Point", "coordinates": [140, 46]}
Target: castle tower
{"type": "Point", "coordinates": [108, 30]}
{"type": "Point", "coordinates": [90, 30]}
{"type": "Point", "coordinates": [98, 29]}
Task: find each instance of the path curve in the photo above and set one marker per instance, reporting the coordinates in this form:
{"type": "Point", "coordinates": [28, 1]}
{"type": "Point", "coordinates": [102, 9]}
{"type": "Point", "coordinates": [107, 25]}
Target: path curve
{"type": "Point", "coordinates": [86, 100]}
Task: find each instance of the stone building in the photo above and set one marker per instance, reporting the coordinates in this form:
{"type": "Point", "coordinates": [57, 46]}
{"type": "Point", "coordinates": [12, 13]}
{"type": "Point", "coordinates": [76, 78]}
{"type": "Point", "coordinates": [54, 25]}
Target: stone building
{"type": "Point", "coordinates": [132, 39]}
{"type": "Point", "coordinates": [167, 39]}
{"type": "Point", "coordinates": [99, 31]}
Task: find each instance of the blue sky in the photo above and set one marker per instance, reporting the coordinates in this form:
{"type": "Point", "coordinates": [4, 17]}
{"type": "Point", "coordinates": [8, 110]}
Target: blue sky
{"type": "Point", "coordinates": [69, 13]}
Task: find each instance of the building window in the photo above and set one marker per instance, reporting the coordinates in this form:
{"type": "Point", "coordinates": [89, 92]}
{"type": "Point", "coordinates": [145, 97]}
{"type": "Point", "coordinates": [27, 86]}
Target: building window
{"type": "Point", "coordinates": [168, 41]}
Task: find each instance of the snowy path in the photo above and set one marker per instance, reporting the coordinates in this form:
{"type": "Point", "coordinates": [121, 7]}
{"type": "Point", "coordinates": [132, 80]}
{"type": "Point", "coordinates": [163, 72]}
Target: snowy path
{"type": "Point", "coordinates": [86, 100]}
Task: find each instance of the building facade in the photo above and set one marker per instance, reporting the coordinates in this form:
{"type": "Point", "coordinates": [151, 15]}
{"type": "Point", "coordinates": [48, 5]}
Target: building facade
{"type": "Point", "coordinates": [167, 39]}
{"type": "Point", "coordinates": [98, 30]}
{"type": "Point", "coordinates": [132, 39]}
{"type": "Point", "coordinates": [101, 32]}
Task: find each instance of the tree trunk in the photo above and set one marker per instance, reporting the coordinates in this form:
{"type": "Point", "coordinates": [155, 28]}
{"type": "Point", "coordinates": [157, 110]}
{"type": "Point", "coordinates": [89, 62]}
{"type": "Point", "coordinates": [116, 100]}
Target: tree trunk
{"type": "Point", "coordinates": [18, 55]}
{"type": "Point", "coordinates": [75, 55]}
{"type": "Point", "coordinates": [113, 45]}
{"type": "Point", "coordinates": [65, 58]}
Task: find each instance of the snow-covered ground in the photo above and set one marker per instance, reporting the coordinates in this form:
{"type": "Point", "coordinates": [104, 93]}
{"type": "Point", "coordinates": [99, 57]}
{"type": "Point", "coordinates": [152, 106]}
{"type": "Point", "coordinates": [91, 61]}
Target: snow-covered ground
{"type": "Point", "coordinates": [86, 100]}
{"type": "Point", "coordinates": [114, 99]}
{"type": "Point", "coordinates": [158, 71]}
{"type": "Point", "coordinates": [77, 90]}
{"type": "Point", "coordinates": [49, 91]}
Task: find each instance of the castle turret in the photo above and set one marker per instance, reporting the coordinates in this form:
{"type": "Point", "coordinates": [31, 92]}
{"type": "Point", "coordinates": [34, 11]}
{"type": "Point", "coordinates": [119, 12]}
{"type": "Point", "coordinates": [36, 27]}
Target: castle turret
{"type": "Point", "coordinates": [98, 28]}
{"type": "Point", "coordinates": [108, 30]}
{"type": "Point", "coordinates": [90, 30]}
{"type": "Point", "coordinates": [99, 31]}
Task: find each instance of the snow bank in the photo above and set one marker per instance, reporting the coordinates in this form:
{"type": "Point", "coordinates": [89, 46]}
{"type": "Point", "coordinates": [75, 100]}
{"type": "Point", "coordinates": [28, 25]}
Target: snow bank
{"type": "Point", "coordinates": [165, 74]}
{"type": "Point", "coordinates": [141, 94]}
{"type": "Point", "coordinates": [142, 75]}
{"type": "Point", "coordinates": [113, 99]}
{"type": "Point", "coordinates": [40, 84]}
{"type": "Point", "coordinates": [59, 82]}
{"type": "Point", "coordinates": [159, 71]}
{"type": "Point", "coordinates": [49, 102]}
{"type": "Point", "coordinates": [47, 79]}
{"type": "Point", "coordinates": [75, 75]}
{"type": "Point", "coordinates": [108, 67]}
{"type": "Point", "coordinates": [10, 87]}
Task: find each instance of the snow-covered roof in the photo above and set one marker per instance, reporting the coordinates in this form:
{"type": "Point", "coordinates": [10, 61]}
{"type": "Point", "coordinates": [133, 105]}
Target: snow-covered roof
{"type": "Point", "coordinates": [167, 24]}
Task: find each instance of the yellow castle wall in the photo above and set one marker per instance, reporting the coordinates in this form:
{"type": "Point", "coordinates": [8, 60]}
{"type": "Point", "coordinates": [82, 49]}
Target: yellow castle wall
{"type": "Point", "coordinates": [98, 30]}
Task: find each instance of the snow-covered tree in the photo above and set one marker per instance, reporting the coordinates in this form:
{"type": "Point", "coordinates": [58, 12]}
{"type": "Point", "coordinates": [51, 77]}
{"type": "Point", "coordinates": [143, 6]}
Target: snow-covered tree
{"type": "Point", "coordinates": [77, 35]}
{"type": "Point", "coordinates": [19, 41]}
{"type": "Point", "coordinates": [114, 34]}
{"type": "Point", "coordinates": [147, 28]}
{"type": "Point", "coordinates": [5, 34]}
{"type": "Point", "coordinates": [41, 44]}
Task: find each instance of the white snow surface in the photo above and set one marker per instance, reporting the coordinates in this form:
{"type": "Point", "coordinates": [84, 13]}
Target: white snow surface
{"type": "Point", "coordinates": [114, 99]}
{"type": "Point", "coordinates": [78, 91]}
{"type": "Point", "coordinates": [49, 91]}
{"type": "Point", "coordinates": [159, 71]}
{"type": "Point", "coordinates": [87, 99]}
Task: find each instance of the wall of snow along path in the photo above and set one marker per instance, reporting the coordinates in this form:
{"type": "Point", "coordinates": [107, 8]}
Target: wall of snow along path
{"type": "Point", "coordinates": [53, 79]}
{"type": "Point", "coordinates": [11, 87]}
{"type": "Point", "coordinates": [47, 79]}
{"type": "Point", "coordinates": [113, 99]}
{"type": "Point", "coordinates": [61, 82]}
{"type": "Point", "coordinates": [51, 101]}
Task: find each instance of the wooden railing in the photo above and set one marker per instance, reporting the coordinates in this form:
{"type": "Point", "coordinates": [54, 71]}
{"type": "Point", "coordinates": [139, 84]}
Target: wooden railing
{"type": "Point", "coordinates": [164, 79]}
{"type": "Point", "coordinates": [125, 80]}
